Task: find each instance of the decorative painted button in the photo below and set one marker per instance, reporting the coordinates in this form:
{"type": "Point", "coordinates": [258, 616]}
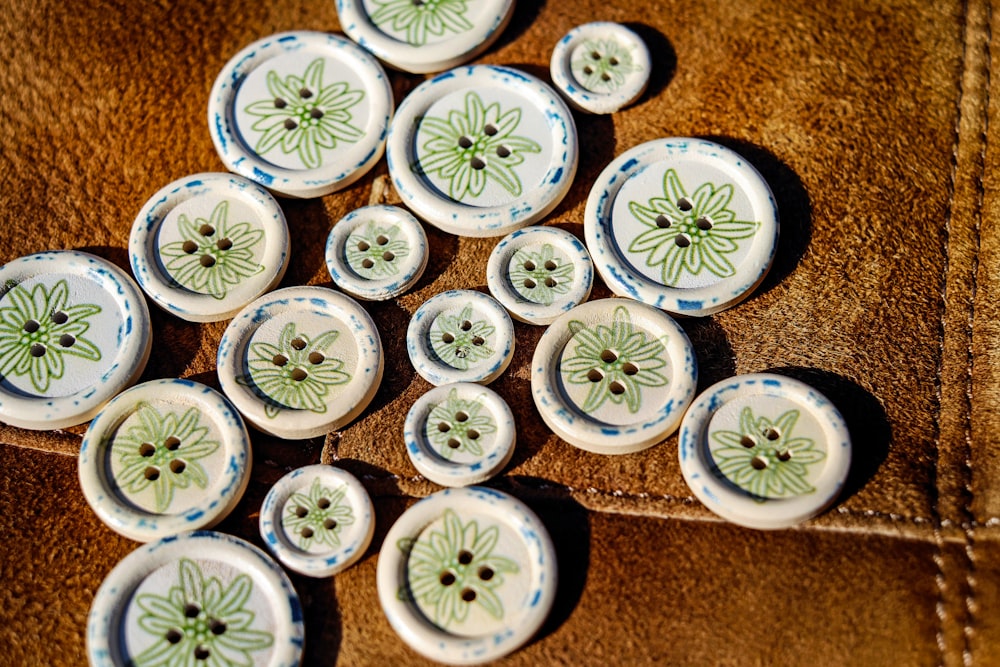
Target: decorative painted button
{"type": "Point", "coordinates": [317, 520]}
{"type": "Point", "coordinates": [467, 575]}
{"type": "Point", "coordinates": [682, 224]}
{"type": "Point", "coordinates": [539, 273]}
{"type": "Point", "coordinates": [460, 336]}
{"type": "Point", "coordinates": [302, 113]}
{"type": "Point", "coordinates": [764, 451]}
{"type": "Point", "coordinates": [425, 36]}
{"type": "Point", "coordinates": [74, 331]}
{"type": "Point", "coordinates": [376, 252]}
{"type": "Point", "coordinates": [601, 67]}
{"type": "Point", "coordinates": [197, 598]}
{"type": "Point", "coordinates": [482, 151]}
{"type": "Point", "coordinates": [301, 361]}
{"type": "Point", "coordinates": [613, 376]}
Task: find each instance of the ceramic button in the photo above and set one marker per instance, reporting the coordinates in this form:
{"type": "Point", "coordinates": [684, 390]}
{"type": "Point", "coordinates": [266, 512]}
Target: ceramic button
{"type": "Point", "coordinates": [302, 113]}
{"type": "Point", "coordinates": [197, 598]}
{"type": "Point", "coordinates": [600, 67]}
{"type": "Point", "coordinates": [482, 151]}
{"type": "Point", "coordinates": [460, 336]}
{"type": "Point", "coordinates": [613, 376]}
{"type": "Point", "coordinates": [539, 273]}
{"type": "Point", "coordinates": [764, 451]}
{"type": "Point", "coordinates": [467, 575]}
{"type": "Point", "coordinates": [376, 252]}
{"type": "Point", "coordinates": [301, 361]}
{"type": "Point", "coordinates": [682, 224]}
{"type": "Point", "coordinates": [74, 331]}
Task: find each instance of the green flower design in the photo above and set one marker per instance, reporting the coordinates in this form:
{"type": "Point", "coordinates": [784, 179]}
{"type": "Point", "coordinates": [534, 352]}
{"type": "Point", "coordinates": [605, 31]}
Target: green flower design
{"type": "Point", "coordinates": [304, 116]}
{"type": "Point", "coordinates": [373, 252]}
{"type": "Point", "coordinates": [693, 234]}
{"type": "Point", "coordinates": [318, 517]}
{"type": "Point", "coordinates": [539, 276]}
{"type": "Point", "coordinates": [39, 328]}
{"type": "Point", "coordinates": [601, 65]}
{"type": "Point", "coordinates": [456, 426]}
{"type": "Point", "coordinates": [616, 362]}
{"type": "Point", "coordinates": [460, 341]}
{"type": "Point", "coordinates": [200, 621]}
{"type": "Point", "coordinates": [421, 18]}
{"type": "Point", "coordinates": [449, 571]}
{"type": "Point", "coordinates": [473, 147]}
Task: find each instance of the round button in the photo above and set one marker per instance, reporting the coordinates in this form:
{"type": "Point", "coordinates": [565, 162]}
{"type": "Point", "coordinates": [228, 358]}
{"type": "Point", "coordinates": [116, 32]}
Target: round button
{"type": "Point", "coordinates": [207, 245]}
{"type": "Point", "coordinates": [682, 224]}
{"type": "Point", "coordinates": [460, 434]}
{"type": "Point", "coordinates": [302, 113]}
{"type": "Point", "coordinates": [301, 361]}
{"type": "Point", "coordinates": [74, 331]}
{"type": "Point", "coordinates": [600, 67]}
{"type": "Point", "coordinates": [317, 520]}
{"type": "Point", "coordinates": [460, 336]}
{"type": "Point", "coordinates": [764, 451]}
{"type": "Point", "coordinates": [197, 598]}
{"type": "Point", "coordinates": [422, 37]}
{"type": "Point", "coordinates": [467, 575]}
{"type": "Point", "coordinates": [376, 252]}
{"type": "Point", "coordinates": [482, 151]}
{"type": "Point", "coordinates": [539, 273]}
{"type": "Point", "coordinates": [613, 376]}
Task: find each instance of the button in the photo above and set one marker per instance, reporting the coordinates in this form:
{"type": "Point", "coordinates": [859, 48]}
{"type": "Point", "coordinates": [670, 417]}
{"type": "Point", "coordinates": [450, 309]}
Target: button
{"type": "Point", "coordinates": [613, 376]}
{"type": "Point", "coordinates": [682, 224]}
{"type": "Point", "coordinates": [460, 336]}
{"type": "Point", "coordinates": [460, 434]}
{"type": "Point", "coordinates": [764, 451]}
{"type": "Point", "coordinates": [207, 245]}
{"type": "Point", "coordinates": [317, 520]}
{"type": "Point", "coordinates": [197, 598]}
{"type": "Point", "coordinates": [302, 113]}
{"type": "Point", "coordinates": [539, 273]}
{"type": "Point", "coordinates": [482, 151]}
{"type": "Point", "coordinates": [163, 457]}
{"type": "Point", "coordinates": [74, 331]}
{"type": "Point", "coordinates": [422, 37]}
{"type": "Point", "coordinates": [601, 67]}
{"type": "Point", "coordinates": [301, 361]}
{"type": "Point", "coordinates": [376, 252]}
{"type": "Point", "coordinates": [467, 575]}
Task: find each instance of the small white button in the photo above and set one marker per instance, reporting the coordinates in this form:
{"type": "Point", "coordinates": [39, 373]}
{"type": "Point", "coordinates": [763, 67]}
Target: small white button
{"type": "Point", "coordinates": [467, 575]}
{"type": "Point", "coordinates": [539, 273]}
{"type": "Point", "coordinates": [74, 331]}
{"type": "Point", "coordinates": [197, 598]}
{"type": "Point", "coordinates": [482, 151]}
{"type": "Point", "coordinates": [764, 451]}
{"type": "Point", "coordinates": [302, 113]}
{"type": "Point", "coordinates": [301, 361]}
{"type": "Point", "coordinates": [613, 376]}
{"type": "Point", "coordinates": [685, 225]}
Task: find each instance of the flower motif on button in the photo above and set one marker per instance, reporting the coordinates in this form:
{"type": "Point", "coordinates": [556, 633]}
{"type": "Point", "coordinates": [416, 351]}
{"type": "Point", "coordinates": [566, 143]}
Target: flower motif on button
{"type": "Point", "coordinates": [602, 64]}
{"type": "Point", "coordinates": [373, 252]}
{"type": "Point", "coordinates": [538, 276]}
{"type": "Point", "coordinates": [460, 341]}
{"type": "Point", "coordinates": [456, 426]}
{"type": "Point", "coordinates": [420, 18]}
{"type": "Point", "coordinates": [319, 516]}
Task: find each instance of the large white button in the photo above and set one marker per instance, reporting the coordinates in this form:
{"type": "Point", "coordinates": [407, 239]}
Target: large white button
{"type": "Point", "coordinates": [685, 225]}
{"type": "Point", "coordinates": [467, 575]}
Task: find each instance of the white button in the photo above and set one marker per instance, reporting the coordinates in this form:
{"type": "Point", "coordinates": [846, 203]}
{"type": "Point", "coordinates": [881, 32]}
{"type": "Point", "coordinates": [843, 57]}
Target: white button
{"type": "Point", "coordinates": [601, 67]}
{"type": "Point", "coordinates": [163, 457]}
{"type": "Point", "coordinates": [301, 361]}
{"type": "Point", "coordinates": [422, 37]}
{"type": "Point", "coordinates": [539, 273]}
{"type": "Point", "coordinates": [207, 245]}
{"type": "Point", "coordinates": [682, 224]}
{"type": "Point", "coordinates": [482, 151]}
{"type": "Point", "coordinates": [613, 376]}
{"type": "Point", "coordinates": [74, 331]}
{"type": "Point", "coordinates": [460, 336]}
{"type": "Point", "coordinates": [460, 434]}
{"type": "Point", "coordinates": [467, 575]}
{"type": "Point", "coordinates": [302, 113]}
{"type": "Point", "coordinates": [764, 451]}
{"type": "Point", "coordinates": [317, 520]}
{"type": "Point", "coordinates": [376, 252]}
{"type": "Point", "coordinates": [198, 598]}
